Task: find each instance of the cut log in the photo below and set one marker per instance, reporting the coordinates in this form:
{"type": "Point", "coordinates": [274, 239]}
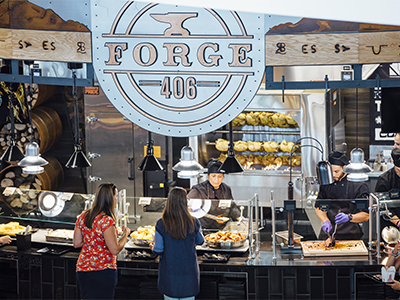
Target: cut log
{"type": "Point", "coordinates": [10, 175]}
{"type": "Point", "coordinates": [37, 180]}
{"type": "Point", "coordinates": [20, 127]}
{"type": "Point", "coordinates": [7, 182]}
{"type": "Point", "coordinates": [37, 187]}
{"type": "Point", "coordinates": [32, 194]}
{"type": "Point", "coordinates": [16, 203]}
{"type": "Point", "coordinates": [24, 198]}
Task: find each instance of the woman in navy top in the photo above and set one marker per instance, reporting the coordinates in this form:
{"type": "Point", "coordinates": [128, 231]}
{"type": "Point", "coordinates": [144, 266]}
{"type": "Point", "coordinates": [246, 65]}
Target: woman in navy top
{"type": "Point", "coordinates": [177, 234]}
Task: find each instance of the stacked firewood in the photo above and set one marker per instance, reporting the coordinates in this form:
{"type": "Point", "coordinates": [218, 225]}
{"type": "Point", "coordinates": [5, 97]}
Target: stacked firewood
{"type": "Point", "coordinates": [27, 188]}
{"type": "Point", "coordinates": [23, 134]}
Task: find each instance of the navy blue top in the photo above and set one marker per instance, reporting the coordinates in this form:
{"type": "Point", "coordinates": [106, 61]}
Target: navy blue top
{"type": "Point", "coordinates": [178, 269]}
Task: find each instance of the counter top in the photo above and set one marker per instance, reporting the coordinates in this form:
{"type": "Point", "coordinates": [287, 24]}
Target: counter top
{"type": "Point", "coordinates": [264, 258]}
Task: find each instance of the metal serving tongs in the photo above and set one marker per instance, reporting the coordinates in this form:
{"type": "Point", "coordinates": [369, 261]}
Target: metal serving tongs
{"type": "Point", "coordinates": [332, 244]}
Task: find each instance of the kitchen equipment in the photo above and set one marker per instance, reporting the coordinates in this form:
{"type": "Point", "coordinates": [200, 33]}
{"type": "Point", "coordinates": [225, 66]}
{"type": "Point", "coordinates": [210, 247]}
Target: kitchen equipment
{"type": "Point", "coordinates": [282, 237]}
{"type": "Point", "coordinates": [332, 244]}
{"type": "Point", "coordinates": [24, 240]}
{"type": "Point", "coordinates": [390, 234]}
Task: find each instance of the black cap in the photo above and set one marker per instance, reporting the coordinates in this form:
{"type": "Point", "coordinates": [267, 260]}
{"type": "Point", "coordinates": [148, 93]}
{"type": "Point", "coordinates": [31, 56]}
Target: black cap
{"type": "Point", "coordinates": [213, 166]}
{"type": "Point", "coordinates": [338, 158]}
{"type": "Point", "coordinates": [396, 156]}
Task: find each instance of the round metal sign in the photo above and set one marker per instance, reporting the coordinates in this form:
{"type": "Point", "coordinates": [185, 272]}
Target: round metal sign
{"type": "Point", "coordinates": [173, 70]}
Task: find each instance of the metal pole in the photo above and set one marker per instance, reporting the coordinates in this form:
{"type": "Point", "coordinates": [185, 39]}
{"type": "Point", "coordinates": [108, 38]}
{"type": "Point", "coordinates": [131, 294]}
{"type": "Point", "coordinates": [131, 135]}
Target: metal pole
{"type": "Point", "coordinates": [257, 232]}
{"type": "Point", "coordinates": [250, 234]}
{"type": "Point", "coordinates": [370, 223]}
{"type": "Point", "coordinates": [273, 226]}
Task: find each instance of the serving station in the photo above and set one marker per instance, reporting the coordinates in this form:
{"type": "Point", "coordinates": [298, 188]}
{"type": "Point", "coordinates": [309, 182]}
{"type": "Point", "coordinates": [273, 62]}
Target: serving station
{"type": "Point", "coordinates": [253, 267]}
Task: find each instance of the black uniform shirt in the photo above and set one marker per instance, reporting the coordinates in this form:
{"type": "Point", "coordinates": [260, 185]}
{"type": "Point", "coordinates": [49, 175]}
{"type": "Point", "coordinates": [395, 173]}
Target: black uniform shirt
{"type": "Point", "coordinates": [343, 189]}
{"type": "Point", "coordinates": [205, 190]}
{"type": "Point", "coordinates": [386, 182]}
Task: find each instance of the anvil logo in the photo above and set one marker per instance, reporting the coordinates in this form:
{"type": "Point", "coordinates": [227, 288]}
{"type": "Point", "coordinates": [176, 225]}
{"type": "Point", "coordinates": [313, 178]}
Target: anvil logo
{"type": "Point", "coordinates": [177, 71]}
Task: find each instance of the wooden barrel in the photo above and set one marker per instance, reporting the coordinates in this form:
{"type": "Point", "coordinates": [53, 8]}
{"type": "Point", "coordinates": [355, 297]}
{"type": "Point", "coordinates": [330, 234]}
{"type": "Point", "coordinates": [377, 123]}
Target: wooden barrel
{"type": "Point", "coordinates": [48, 124]}
{"type": "Point", "coordinates": [50, 180]}
{"type": "Point", "coordinates": [41, 93]}
{"type": "Point", "coordinates": [53, 175]}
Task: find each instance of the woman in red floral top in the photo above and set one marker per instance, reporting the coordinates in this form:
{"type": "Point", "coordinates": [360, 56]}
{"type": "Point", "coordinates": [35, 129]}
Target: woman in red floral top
{"type": "Point", "coordinates": [96, 232]}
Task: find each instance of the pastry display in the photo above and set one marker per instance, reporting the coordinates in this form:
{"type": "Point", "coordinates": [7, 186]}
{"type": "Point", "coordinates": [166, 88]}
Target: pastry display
{"type": "Point", "coordinates": [11, 228]}
{"type": "Point", "coordinates": [60, 236]}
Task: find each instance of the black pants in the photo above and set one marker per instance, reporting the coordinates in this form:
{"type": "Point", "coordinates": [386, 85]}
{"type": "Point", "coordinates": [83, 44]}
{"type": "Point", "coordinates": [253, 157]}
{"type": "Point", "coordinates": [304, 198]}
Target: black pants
{"type": "Point", "coordinates": [97, 284]}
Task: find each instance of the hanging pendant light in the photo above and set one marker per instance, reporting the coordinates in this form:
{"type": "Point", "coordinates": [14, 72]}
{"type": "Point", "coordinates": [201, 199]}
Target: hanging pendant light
{"type": "Point", "coordinates": [150, 162]}
{"type": "Point", "coordinates": [231, 164]}
{"type": "Point", "coordinates": [357, 169]}
{"type": "Point", "coordinates": [32, 163]}
{"type": "Point", "coordinates": [187, 167]}
{"type": "Point", "coordinates": [78, 159]}
{"type": "Point", "coordinates": [13, 152]}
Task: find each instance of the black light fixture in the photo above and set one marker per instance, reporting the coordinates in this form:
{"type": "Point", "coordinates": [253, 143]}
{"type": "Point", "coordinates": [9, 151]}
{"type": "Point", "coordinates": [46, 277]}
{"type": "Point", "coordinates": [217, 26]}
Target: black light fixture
{"type": "Point", "coordinates": [231, 164]}
{"type": "Point", "coordinates": [78, 159]}
{"type": "Point", "coordinates": [357, 169]}
{"type": "Point", "coordinates": [13, 152]}
{"type": "Point", "coordinates": [32, 163]}
{"type": "Point", "coordinates": [150, 162]}
{"type": "Point", "coordinates": [187, 167]}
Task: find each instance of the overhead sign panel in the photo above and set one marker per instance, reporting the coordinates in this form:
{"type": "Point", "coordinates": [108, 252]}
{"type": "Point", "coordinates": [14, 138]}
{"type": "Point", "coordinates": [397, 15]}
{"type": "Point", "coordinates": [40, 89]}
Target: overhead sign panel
{"type": "Point", "coordinates": [45, 45]}
{"type": "Point", "coordinates": [332, 49]}
{"type": "Point", "coordinates": [175, 70]}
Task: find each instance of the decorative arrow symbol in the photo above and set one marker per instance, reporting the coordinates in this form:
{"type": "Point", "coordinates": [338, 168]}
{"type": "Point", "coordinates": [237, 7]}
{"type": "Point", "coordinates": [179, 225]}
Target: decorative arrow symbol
{"type": "Point", "coordinates": [345, 48]}
{"type": "Point", "coordinates": [27, 44]}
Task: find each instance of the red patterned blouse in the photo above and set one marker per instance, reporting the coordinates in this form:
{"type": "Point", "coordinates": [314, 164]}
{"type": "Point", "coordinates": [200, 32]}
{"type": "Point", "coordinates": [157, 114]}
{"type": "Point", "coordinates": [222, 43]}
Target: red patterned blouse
{"type": "Point", "coordinates": [95, 255]}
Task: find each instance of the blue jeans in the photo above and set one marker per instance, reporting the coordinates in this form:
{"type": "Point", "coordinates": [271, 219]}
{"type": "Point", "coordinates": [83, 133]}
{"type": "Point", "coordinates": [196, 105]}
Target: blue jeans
{"type": "Point", "coordinates": [169, 298]}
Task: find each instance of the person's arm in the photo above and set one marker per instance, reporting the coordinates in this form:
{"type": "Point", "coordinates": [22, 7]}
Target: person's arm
{"type": "Point", "coordinates": [360, 217]}
{"type": "Point", "coordinates": [113, 244]}
{"type": "Point", "coordinates": [158, 246]}
{"type": "Point", "coordinates": [5, 239]}
{"type": "Point", "coordinates": [321, 215]}
{"type": "Point", "coordinates": [394, 259]}
{"type": "Point", "coordinates": [78, 238]}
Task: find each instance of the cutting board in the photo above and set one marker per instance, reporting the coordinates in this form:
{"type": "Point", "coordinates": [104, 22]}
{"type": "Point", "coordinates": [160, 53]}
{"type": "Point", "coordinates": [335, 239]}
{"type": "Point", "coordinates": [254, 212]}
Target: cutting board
{"type": "Point", "coordinates": [342, 248]}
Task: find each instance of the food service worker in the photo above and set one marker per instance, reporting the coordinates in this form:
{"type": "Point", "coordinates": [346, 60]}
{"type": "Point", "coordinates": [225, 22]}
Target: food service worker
{"type": "Point", "coordinates": [214, 188]}
{"type": "Point", "coordinates": [390, 182]}
{"type": "Point", "coordinates": [343, 213]}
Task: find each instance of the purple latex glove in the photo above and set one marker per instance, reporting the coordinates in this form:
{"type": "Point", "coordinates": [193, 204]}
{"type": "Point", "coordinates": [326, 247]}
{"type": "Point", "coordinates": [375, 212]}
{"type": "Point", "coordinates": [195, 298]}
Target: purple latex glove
{"type": "Point", "coordinates": [326, 226]}
{"type": "Point", "coordinates": [341, 218]}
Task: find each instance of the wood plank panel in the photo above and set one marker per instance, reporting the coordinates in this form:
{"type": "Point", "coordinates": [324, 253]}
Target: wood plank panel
{"type": "Point", "coordinates": [46, 45]}
{"type": "Point", "coordinates": [379, 47]}
{"type": "Point", "coordinates": [5, 43]}
{"type": "Point", "coordinates": [311, 49]}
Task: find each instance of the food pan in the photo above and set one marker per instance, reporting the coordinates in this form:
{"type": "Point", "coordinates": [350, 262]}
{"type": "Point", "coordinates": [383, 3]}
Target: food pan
{"type": "Point", "coordinates": [141, 242]}
{"type": "Point", "coordinates": [224, 245]}
{"type": "Point", "coordinates": [282, 237]}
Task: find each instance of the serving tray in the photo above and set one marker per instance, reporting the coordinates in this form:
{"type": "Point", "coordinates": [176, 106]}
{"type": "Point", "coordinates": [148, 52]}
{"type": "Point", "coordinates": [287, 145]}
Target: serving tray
{"type": "Point", "coordinates": [341, 248]}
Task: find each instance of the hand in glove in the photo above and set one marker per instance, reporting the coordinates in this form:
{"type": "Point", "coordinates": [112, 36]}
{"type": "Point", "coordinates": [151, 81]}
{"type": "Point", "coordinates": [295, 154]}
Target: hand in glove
{"type": "Point", "coordinates": [342, 218]}
{"type": "Point", "coordinates": [326, 226]}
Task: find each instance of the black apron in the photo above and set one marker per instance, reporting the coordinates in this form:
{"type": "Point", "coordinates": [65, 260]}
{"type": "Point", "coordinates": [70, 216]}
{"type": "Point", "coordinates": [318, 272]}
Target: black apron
{"type": "Point", "coordinates": [343, 189]}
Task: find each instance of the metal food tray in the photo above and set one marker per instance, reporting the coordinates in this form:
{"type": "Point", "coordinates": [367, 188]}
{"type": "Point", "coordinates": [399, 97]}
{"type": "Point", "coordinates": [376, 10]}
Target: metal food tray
{"type": "Point", "coordinates": [40, 237]}
{"type": "Point", "coordinates": [241, 249]}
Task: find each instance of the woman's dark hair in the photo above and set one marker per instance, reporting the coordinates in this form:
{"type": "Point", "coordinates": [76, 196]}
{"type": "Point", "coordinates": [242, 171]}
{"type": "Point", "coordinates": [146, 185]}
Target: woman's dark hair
{"type": "Point", "coordinates": [103, 202]}
{"type": "Point", "coordinates": [176, 217]}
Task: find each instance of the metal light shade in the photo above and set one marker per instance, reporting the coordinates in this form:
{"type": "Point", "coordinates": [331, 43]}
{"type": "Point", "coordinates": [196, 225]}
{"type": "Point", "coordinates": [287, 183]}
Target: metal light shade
{"type": "Point", "coordinates": [32, 162]}
{"type": "Point", "coordinates": [78, 159]}
{"type": "Point", "coordinates": [324, 173]}
{"type": "Point", "coordinates": [231, 165]}
{"type": "Point", "coordinates": [187, 167]}
{"type": "Point", "coordinates": [150, 162]}
{"type": "Point", "coordinates": [357, 168]}
{"type": "Point", "coordinates": [13, 153]}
